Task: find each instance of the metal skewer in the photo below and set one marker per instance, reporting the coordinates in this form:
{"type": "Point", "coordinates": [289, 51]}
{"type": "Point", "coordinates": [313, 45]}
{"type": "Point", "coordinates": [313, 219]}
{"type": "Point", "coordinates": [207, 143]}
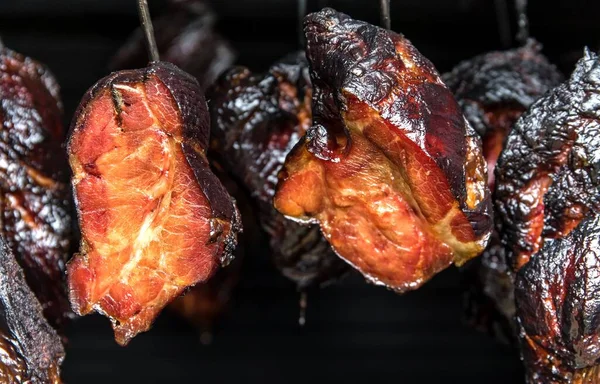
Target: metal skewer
{"type": "Point", "coordinates": [146, 22]}
{"type": "Point", "coordinates": [384, 14]}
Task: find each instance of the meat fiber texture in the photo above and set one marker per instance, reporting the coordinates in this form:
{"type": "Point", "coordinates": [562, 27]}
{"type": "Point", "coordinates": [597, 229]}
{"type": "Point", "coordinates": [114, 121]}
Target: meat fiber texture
{"type": "Point", "coordinates": [390, 169]}
{"type": "Point", "coordinates": [154, 218]}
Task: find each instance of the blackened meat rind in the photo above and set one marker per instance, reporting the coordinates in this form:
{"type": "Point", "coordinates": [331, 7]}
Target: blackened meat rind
{"type": "Point", "coordinates": [493, 90]}
{"type": "Point", "coordinates": [547, 175]}
{"type": "Point", "coordinates": [36, 216]}
{"type": "Point", "coordinates": [511, 79]}
{"type": "Point", "coordinates": [558, 307]}
{"type": "Point", "coordinates": [256, 120]}
{"type": "Point", "coordinates": [186, 37]}
{"type": "Point", "coordinates": [30, 349]}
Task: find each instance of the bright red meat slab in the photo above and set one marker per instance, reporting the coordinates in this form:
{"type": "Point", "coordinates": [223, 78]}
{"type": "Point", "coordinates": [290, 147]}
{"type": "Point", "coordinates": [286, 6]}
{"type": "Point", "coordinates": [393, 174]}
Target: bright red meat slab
{"type": "Point", "coordinates": [154, 219]}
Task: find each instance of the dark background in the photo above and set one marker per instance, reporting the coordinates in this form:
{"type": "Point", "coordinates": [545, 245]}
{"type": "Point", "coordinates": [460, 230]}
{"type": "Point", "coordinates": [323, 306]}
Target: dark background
{"type": "Point", "coordinates": [355, 333]}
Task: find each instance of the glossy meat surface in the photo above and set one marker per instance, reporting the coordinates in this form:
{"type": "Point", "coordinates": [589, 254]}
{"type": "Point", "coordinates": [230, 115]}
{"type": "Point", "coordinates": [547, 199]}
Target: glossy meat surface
{"type": "Point", "coordinates": [493, 90]}
{"type": "Point", "coordinates": [154, 218]}
{"type": "Point", "coordinates": [390, 169]}
{"type": "Point", "coordinates": [185, 36]}
{"type": "Point", "coordinates": [547, 174]}
{"type": "Point", "coordinates": [30, 349]}
{"type": "Point", "coordinates": [256, 120]}
{"type": "Point", "coordinates": [547, 200]}
{"type": "Point", "coordinates": [204, 304]}
{"type": "Point", "coordinates": [558, 308]}
{"type": "Point", "coordinates": [36, 217]}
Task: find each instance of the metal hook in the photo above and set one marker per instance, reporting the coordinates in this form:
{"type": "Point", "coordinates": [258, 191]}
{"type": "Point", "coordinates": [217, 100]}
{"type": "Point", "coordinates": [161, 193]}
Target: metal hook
{"type": "Point", "coordinates": [146, 22]}
{"type": "Point", "coordinates": [384, 14]}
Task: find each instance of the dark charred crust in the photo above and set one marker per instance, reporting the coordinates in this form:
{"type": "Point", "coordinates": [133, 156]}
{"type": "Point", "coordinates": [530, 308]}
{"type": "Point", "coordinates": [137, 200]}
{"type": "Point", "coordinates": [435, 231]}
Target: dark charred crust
{"type": "Point", "coordinates": [34, 351]}
{"type": "Point", "coordinates": [557, 306]}
{"type": "Point", "coordinates": [367, 66]}
{"type": "Point", "coordinates": [493, 90]}
{"type": "Point", "coordinates": [388, 148]}
{"type": "Point", "coordinates": [185, 37]}
{"type": "Point", "coordinates": [548, 170]}
{"type": "Point", "coordinates": [36, 218]}
{"type": "Point", "coordinates": [547, 201]}
{"type": "Point", "coordinates": [256, 120]}
{"type": "Point", "coordinates": [194, 113]}
{"type": "Point", "coordinates": [513, 79]}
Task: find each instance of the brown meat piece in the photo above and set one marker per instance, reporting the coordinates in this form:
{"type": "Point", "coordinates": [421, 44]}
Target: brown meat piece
{"type": "Point", "coordinates": [546, 175]}
{"type": "Point", "coordinates": [154, 218]}
{"type": "Point", "coordinates": [186, 37]}
{"type": "Point", "coordinates": [30, 349]}
{"type": "Point", "coordinates": [390, 168]}
{"type": "Point", "coordinates": [493, 90]}
{"type": "Point", "coordinates": [558, 308]}
{"type": "Point", "coordinates": [256, 120]}
{"type": "Point", "coordinates": [35, 194]}
{"type": "Point", "coordinates": [547, 183]}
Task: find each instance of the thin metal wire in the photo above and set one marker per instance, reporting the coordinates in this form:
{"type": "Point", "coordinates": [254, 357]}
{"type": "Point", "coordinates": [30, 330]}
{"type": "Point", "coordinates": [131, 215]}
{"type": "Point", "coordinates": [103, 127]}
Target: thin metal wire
{"type": "Point", "coordinates": [303, 304]}
{"type": "Point", "coordinates": [522, 20]}
{"type": "Point", "coordinates": [301, 13]}
{"type": "Point", "coordinates": [384, 14]}
{"type": "Point", "coordinates": [148, 29]}
{"type": "Point", "coordinates": [503, 21]}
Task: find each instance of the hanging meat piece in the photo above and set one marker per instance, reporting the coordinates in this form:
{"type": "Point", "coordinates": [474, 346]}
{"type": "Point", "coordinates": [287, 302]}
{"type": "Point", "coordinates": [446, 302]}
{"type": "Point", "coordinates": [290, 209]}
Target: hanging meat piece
{"type": "Point", "coordinates": [30, 349]}
{"type": "Point", "coordinates": [547, 184]}
{"type": "Point", "coordinates": [558, 308]}
{"type": "Point", "coordinates": [493, 90]}
{"type": "Point", "coordinates": [154, 219]}
{"type": "Point", "coordinates": [390, 168]}
{"type": "Point", "coordinates": [256, 120]}
{"type": "Point", "coordinates": [546, 176]}
{"type": "Point", "coordinates": [35, 194]}
{"type": "Point", "coordinates": [186, 37]}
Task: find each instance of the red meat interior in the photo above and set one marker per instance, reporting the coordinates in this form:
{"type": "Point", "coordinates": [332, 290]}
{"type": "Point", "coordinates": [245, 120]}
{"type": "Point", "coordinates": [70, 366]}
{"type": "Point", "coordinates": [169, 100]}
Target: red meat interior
{"type": "Point", "coordinates": [144, 219]}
